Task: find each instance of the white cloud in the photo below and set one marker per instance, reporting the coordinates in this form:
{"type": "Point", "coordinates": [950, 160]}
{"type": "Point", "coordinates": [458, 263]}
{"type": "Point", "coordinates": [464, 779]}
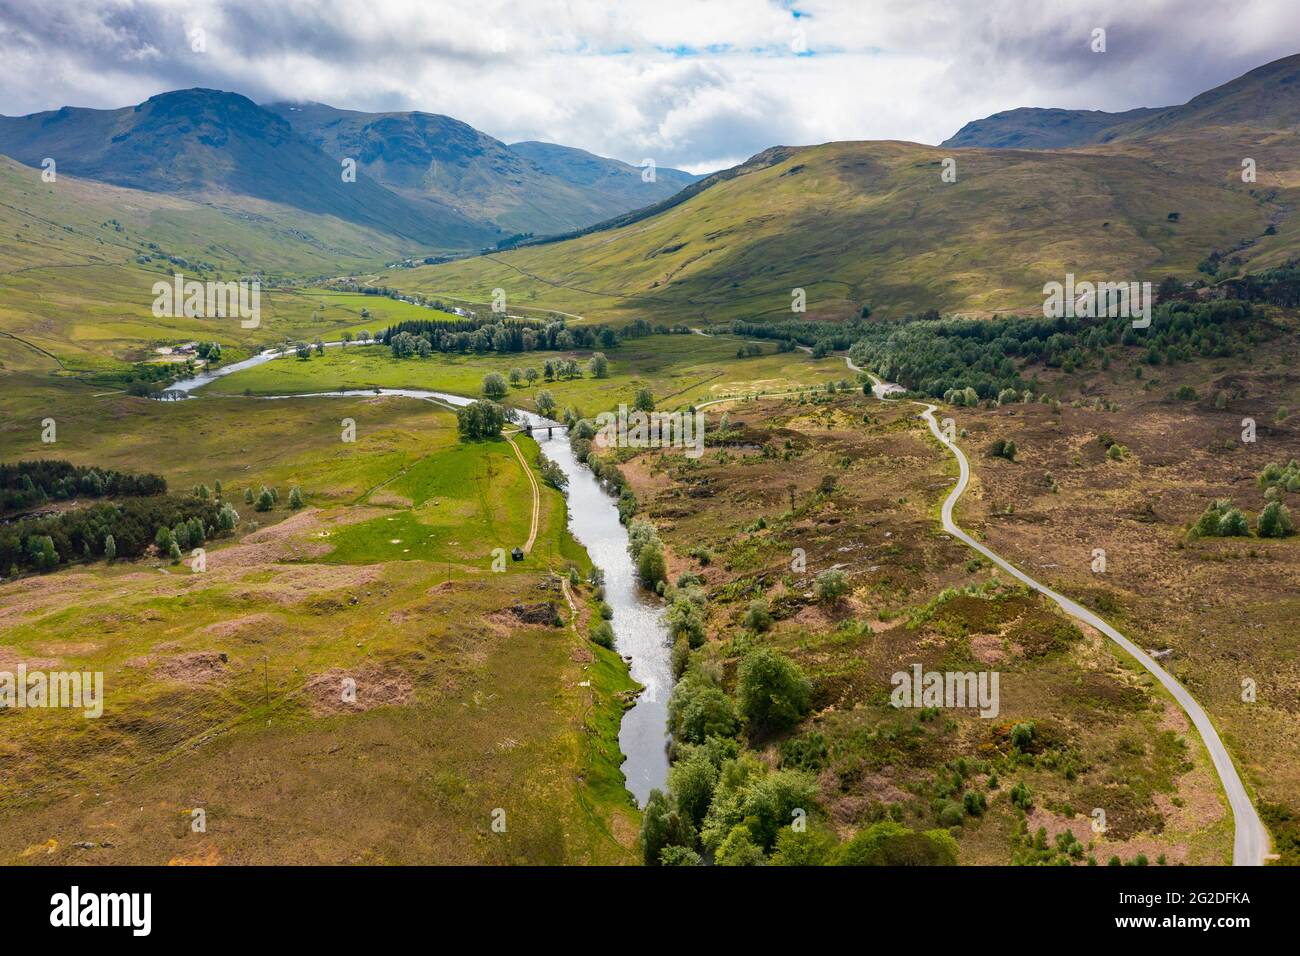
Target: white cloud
{"type": "Point", "coordinates": [692, 84]}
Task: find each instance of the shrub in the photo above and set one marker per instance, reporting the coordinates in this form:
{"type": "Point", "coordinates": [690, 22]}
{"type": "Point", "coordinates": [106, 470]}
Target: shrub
{"type": "Point", "coordinates": [603, 635]}
{"type": "Point", "coordinates": [757, 617]}
{"type": "Point", "coordinates": [831, 585]}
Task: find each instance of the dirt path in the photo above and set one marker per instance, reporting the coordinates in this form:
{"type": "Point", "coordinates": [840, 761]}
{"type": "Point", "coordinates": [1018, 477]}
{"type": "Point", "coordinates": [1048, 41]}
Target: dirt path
{"type": "Point", "coordinates": [537, 494]}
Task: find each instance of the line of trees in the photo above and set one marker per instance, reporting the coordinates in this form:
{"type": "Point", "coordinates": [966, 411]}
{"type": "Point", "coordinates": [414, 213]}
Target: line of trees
{"type": "Point", "coordinates": [109, 529]}
{"type": "Point", "coordinates": [27, 483]}
{"type": "Point", "coordinates": [936, 357]}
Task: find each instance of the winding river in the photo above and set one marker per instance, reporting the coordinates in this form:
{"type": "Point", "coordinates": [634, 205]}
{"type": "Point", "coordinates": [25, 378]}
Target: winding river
{"type": "Point", "coordinates": [639, 633]}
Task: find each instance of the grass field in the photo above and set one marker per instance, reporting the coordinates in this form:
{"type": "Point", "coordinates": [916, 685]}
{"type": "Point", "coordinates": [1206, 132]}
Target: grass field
{"type": "Point", "coordinates": [224, 687]}
{"type": "Point", "coordinates": [678, 369]}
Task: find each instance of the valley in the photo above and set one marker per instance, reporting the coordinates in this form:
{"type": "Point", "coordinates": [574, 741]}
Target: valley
{"type": "Point", "coordinates": [417, 628]}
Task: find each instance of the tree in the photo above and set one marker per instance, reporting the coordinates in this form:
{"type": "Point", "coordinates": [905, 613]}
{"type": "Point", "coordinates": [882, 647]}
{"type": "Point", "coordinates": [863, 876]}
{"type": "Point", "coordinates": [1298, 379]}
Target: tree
{"type": "Point", "coordinates": [773, 692]}
{"type": "Point", "coordinates": [545, 403]}
{"type": "Point", "coordinates": [494, 386]}
{"type": "Point", "coordinates": [699, 709]}
{"type": "Point", "coordinates": [530, 374]}
{"type": "Point", "coordinates": [227, 518]}
{"type": "Point", "coordinates": [554, 475]}
{"type": "Point", "coordinates": [480, 420]}
{"type": "Point", "coordinates": [691, 781]}
{"type": "Point", "coordinates": [248, 496]}
{"type": "Point", "coordinates": [1275, 521]}
{"type": "Point", "coordinates": [516, 376]}
{"type": "Point", "coordinates": [110, 548]}
{"type": "Point", "coordinates": [295, 498]}
{"type": "Point", "coordinates": [662, 826]}
{"type": "Point", "coordinates": [651, 567]}
{"type": "Point", "coordinates": [1233, 524]}
{"type": "Point", "coordinates": [303, 351]}
{"type": "Point", "coordinates": [41, 552]}
{"type": "Point", "coordinates": [265, 500]}
{"type": "Point", "coordinates": [644, 401]}
{"type": "Point", "coordinates": [174, 552]}
{"type": "Point", "coordinates": [598, 365]}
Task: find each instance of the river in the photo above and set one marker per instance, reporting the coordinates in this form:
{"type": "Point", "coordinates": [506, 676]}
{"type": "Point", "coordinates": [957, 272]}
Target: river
{"type": "Point", "coordinates": [639, 633]}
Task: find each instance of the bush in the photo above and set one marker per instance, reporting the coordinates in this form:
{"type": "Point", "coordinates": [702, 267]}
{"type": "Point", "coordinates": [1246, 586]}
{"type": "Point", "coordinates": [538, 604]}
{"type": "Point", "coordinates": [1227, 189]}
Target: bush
{"type": "Point", "coordinates": [892, 844]}
{"type": "Point", "coordinates": [773, 692]}
{"type": "Point", "coordinates": [831, 586]}
{"type": "Point", "coordinates": [603, 635]}
{"type": "Point", "coordinates": [757, 617]}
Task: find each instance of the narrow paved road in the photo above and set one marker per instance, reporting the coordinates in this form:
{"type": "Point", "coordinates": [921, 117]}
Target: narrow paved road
{"type": "Point", "coordinates": [1251, 842]}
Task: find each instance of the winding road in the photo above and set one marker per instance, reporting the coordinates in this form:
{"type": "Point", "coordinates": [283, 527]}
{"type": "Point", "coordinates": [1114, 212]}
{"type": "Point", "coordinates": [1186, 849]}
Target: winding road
{"type": "Point", "coordinates": [1251, 842]}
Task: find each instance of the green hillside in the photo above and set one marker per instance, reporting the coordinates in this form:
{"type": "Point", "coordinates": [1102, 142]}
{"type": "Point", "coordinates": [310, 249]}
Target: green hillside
{"type": "Point", "coordinates": [874, 223]}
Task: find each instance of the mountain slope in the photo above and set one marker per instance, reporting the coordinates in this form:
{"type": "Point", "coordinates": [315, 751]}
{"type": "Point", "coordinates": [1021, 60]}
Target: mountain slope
{"type": "Point", "coordinates": [530, 187]}
{"type": "Point", "coordinates": [874, 223]}
{"type": "Point", "coordinates": [213, 145]}
{"type": "Point", "coordinates": [1035, 128]}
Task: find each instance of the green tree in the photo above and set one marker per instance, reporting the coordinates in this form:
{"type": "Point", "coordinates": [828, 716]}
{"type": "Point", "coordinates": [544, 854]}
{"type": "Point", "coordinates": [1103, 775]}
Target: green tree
{"type": "Point", "coordinates": [227, 518]}
{"type": "Point", "coordinates": [265, 500]}
{"type": "Point", "coordinates": [545, 404]}
{"type": "Point", "coordinates": [644, 401]}
{"type": "Point", "coordinates": [1275, 521]}
{"type": "Point", "coordinates": [699, 709]}
{"type": "Point", "coordinates": [494, 386]}
{"type": "Point", "coordinates": [295, 498]}
{"type": "Point", "coordinates": [110, 547]}
{"type": "Point", "coordinates": [598, 365]}
{"type": "Point", "coordinates": [651, 567]}
{"type": "Point", "coordinates": [772, 691]}
{"type": "Point", "coordinates": [530, 375]}
{"type": "Point", "coordinates": [662, 826]}
{"type": "Point", "coordinates": [691, 781]}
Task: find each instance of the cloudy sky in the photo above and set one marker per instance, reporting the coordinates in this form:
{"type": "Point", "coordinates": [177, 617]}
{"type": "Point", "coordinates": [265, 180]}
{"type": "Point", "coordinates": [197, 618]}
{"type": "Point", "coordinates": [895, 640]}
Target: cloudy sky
{"type": "Point", "coordinates": [698, 84]}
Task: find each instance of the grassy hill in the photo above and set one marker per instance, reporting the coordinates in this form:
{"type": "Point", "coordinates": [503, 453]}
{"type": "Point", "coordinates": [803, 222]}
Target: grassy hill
{"type": "Point", "coordinates": [874, 222]}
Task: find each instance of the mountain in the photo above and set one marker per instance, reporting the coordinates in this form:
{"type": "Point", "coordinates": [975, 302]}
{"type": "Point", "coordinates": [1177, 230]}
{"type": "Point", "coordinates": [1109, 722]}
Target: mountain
{"type": "Point", "coordinates": [529, 187]}
{"type": "Point", "coordinates": [221, 147]}
{"type": "Point", "coordinates": [1035, 128]}
{"type": "Point", "coordinates": [1266, 98]}
{"type": "Point", "coordinates": [874, 223]}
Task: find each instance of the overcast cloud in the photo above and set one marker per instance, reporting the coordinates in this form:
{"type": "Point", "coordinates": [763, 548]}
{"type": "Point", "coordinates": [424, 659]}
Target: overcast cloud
{"type": "Point", "coordinates": [694, 84]}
